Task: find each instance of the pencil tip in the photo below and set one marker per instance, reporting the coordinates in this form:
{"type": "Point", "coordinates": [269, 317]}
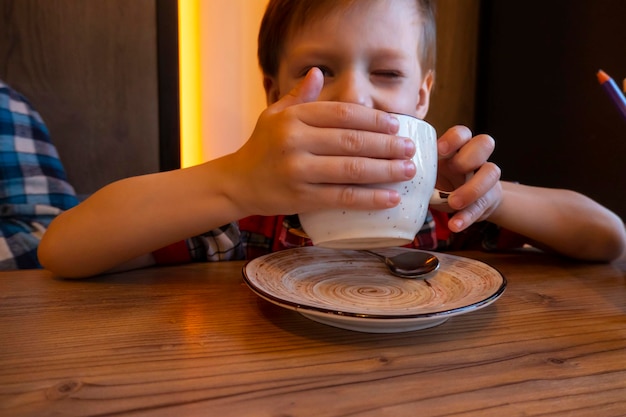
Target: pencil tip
{"type": "Point", "coordinates": [602, 76]}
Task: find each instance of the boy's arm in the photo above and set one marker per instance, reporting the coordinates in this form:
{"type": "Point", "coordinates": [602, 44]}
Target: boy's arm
{"type": "Point", "coordinates": [562, 221]}
{"type": "Point", "coordinates": [300, 157]}
{"type": "Point", "coordinates": [131, 218]}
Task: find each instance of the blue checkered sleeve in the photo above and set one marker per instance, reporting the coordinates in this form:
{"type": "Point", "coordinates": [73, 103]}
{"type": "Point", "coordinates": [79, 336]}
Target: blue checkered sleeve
{"type": "Point", "coordinates": [33, 185]}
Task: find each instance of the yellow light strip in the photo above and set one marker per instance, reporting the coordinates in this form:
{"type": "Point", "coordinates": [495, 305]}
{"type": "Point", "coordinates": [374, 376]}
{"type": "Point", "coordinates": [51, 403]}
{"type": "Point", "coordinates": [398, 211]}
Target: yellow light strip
{"type": "Point", "coordinates": [190, 88]}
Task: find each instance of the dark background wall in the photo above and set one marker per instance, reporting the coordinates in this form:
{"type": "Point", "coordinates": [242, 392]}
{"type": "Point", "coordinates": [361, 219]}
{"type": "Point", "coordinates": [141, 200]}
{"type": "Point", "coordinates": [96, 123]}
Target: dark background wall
{"type": "Point", "coordinates": [538, 94]}
{"type": "Point", "coordinates": [92, 70]}
{"type": "Point", "coordinates": [453, 97]}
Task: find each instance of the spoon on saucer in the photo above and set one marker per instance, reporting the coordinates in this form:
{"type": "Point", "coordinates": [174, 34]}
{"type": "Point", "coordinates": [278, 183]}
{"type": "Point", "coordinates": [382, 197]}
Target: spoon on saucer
{"type": "Point", "coordinates": [410, 264]}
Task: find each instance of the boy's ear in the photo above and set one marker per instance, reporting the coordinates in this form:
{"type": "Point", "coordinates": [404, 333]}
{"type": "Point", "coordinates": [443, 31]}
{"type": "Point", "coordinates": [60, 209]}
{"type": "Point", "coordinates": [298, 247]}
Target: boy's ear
{"type": "Point", "coordinates": [424, 95]}
{"type": "Point", "coordinates": [271, 90]}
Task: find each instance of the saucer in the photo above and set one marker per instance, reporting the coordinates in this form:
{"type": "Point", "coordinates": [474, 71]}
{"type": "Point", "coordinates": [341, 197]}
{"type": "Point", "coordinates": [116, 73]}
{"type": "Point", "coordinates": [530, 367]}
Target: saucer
{"type": "Point", "coordinates": [353, 290]}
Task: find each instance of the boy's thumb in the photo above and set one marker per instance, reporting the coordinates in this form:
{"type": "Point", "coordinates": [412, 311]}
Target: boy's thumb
{"type": "Point", "coordinates": [306, 91]}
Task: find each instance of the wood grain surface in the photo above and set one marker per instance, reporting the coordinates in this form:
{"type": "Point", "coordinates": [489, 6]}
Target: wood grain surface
{"type": "Point", "coordinates": [90, 69]}
{"type": "Point", "coordinates": [194, 340]}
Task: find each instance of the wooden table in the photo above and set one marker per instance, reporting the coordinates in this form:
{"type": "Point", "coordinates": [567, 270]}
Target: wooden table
{"type": "Point", "coordinates": [194, 340]}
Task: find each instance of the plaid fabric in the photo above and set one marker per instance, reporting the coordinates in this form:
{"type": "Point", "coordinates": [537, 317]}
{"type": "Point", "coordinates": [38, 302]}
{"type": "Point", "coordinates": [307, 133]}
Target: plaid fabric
{"type": "Point", "coordinates": [259, 235]}
{"type": "Point", "coordinates": [222, 244]}
{"type": "Point", "coordinates": [33, 184]}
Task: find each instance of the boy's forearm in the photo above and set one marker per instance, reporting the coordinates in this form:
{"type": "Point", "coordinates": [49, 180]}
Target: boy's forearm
{"type": "Point", "coordinates": [562, 220]}
{"type": "Point", "coordinates": [133, 217]}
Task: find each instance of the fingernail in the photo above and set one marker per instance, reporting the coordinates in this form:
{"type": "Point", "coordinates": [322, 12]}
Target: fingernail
{"type": "Point", "coordinates": [443, 147]}
{"type": "Point", "coordinates": [394, 199]}
{"type": "Point", "coordinates": [457, 225]}
{"type": "Point", "coordinates": [409, 148]}
{"type": "Point", "coordinates": [394, 124]}
{"type": "Point", "coordinates": [409, 169]}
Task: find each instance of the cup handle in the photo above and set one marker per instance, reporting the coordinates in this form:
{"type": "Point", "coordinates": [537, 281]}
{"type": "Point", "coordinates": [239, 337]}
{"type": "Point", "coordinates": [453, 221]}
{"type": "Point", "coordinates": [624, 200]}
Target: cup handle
{"type": "Point", "coordinates": [441, 197]}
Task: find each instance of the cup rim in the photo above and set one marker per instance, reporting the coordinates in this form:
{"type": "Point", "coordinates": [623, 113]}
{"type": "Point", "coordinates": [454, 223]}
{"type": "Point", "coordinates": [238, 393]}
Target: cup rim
{"type": "Point", "coordinates": [408, 115]}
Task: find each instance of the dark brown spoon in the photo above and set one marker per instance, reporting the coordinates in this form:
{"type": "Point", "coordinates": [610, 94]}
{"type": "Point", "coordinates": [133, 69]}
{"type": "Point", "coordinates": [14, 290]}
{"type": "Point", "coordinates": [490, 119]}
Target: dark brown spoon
{"type": "Point", "coordinates": [410, 264]}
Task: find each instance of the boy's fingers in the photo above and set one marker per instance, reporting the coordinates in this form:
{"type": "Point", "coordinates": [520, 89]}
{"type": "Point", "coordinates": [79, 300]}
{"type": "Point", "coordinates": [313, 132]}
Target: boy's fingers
{"type": "Point", "coordinates": [333, 114]}
{"type": "Point", "coordinates": [353, 196]}
{"type": "Point", "coordinates": [340, 170]}
{"type": "Point", "coordinates": [482, 182]}
{"type": "Point", "coordinates": [305, 91]}
{"type": "Point", "coordinates": [349, 142]}
{"type": "Point", "coordinates": [343, 115]}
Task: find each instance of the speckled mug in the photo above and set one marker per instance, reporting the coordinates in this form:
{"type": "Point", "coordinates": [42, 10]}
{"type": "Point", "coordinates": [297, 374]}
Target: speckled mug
{"type": "Point", "coordinates": [362, 229]}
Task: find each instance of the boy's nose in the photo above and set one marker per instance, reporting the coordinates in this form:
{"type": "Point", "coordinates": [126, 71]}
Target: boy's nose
{"type": "Point", "coordinates": [352, 88]}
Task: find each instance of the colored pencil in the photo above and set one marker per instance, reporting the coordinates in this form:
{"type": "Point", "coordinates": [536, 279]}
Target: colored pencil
{"type": "Point", "coordinates": [613, 91]}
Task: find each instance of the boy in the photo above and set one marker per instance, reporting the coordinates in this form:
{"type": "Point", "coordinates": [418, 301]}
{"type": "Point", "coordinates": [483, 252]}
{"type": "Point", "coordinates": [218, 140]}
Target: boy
{"type": "Point", "coordinates": [331, 70]}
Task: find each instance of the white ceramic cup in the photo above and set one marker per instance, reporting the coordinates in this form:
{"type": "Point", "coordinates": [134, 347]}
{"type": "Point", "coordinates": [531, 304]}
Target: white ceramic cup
{"type": "Point", "coordinates": [362, 229]}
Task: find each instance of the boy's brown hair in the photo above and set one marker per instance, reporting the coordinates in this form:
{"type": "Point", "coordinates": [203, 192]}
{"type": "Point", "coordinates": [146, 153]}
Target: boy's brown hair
{"type": "Point", "coordinates": [282, 17]}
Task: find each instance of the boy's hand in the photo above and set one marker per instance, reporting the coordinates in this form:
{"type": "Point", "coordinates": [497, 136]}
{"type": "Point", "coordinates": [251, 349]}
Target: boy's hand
{"type": "Point", "coordinates": [461, 154]}
{"type": "Point", "coordinates": [305, 155]}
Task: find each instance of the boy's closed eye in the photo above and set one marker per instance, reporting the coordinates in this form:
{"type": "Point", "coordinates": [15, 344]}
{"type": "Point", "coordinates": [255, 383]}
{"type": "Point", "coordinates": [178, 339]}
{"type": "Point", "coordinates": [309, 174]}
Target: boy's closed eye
{"type": "Point", "coordinates": [390, 74]}
{"type": "Point", "coordinates": [327, 72]}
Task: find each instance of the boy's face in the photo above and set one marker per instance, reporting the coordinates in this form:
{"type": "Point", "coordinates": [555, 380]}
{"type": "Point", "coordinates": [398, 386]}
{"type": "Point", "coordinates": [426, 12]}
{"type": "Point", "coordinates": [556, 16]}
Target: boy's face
{"type": "Point", "coordinates": [368, 54]}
